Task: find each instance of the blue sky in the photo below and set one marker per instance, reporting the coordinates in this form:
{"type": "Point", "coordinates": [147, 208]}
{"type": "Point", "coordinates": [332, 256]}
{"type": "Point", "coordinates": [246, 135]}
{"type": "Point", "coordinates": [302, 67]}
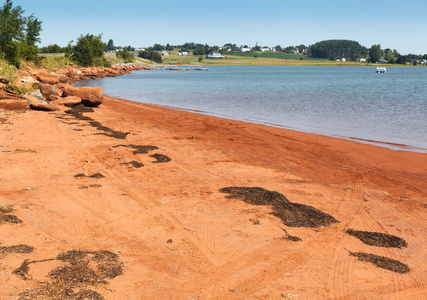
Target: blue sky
{"type": "Point", "coordinates": [394, 24]}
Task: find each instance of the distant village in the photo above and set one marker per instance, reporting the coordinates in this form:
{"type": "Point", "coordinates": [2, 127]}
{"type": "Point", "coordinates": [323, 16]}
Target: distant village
{"type": "Point", "coordinates": [337, 50]}
{"type": "Point", "coordinates": [334, 50]}
{"type": "Point", "coordinates": [220, 52]}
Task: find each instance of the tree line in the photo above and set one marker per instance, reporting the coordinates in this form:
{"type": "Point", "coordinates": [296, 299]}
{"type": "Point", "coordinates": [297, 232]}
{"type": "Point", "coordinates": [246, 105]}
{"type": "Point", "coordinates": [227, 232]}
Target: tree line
{"type": "Point", "coordinates": [351, 50]}
{"type": "Point", "coordinates": [19, 35]}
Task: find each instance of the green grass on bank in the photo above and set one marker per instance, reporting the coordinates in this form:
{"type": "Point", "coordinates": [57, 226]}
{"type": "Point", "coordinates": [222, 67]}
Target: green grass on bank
{"type": "Point", "coordinates": [266, 60]}
{"type": "Point", "coordinates": [270, 54]}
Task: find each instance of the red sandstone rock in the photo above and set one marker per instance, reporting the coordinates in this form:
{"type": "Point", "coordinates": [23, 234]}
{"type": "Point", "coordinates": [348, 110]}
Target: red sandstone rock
{"type": "Point", "coordinates": [32, 99]}
{"type": "Point", "coordinates": [13, 104]}
{"type": "Point", "coordinates": [62, 78]}
{"type": "Point", "coordinates": [69, 101]}
{"type": "Point", "coordinates": [91, 96]}
{"type": "Point", "coordinates": [43, 106]}
{"type": "Point", "coordinates": [53, 97]}
{"type": "Point", "coordinates": [47, 79]}
{"type": "Point", "coordinates": [48, 90]}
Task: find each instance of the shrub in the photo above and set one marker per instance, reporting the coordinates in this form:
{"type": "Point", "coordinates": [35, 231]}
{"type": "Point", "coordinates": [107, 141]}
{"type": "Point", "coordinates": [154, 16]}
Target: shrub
{"type": "Point", "coordinates": [7, 72]}
{"type": "Point", "coordinates": [125, 55]}
{"type": "Point", "coordinates": [87, 51]}
{"type": "Point", "coordinates": [151, 55]}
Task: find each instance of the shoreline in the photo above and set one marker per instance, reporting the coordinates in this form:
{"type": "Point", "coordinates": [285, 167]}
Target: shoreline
{"type": "Point", "coordinates": [388, 145]}
{"type": "Point", "coordinates": [145, 186]}
{"type": "Point", "coordinates": [377, 133]}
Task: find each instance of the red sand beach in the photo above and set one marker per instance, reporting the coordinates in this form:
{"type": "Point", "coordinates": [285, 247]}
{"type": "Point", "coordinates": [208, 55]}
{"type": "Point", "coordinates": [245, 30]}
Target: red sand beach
{"type": "Point", "coordinates": [128, 202]}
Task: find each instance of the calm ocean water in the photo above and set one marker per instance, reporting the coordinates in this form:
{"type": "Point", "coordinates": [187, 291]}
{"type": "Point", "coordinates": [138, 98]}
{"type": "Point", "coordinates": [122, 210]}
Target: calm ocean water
{"type": "Point", "coordinates": [346, 102]}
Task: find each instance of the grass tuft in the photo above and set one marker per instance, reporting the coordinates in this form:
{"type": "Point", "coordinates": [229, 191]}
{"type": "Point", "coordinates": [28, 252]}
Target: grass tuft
{"type": "Point", "coordinates": [5, 209]}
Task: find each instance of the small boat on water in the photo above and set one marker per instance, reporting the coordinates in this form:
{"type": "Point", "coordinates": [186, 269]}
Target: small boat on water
{"type": "Point", "coordinates": [381, 70]}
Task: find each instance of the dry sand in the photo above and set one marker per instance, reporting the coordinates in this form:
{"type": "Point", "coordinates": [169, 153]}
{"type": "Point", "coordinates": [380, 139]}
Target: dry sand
{"type": "Point", "coordinates": [136, 189]}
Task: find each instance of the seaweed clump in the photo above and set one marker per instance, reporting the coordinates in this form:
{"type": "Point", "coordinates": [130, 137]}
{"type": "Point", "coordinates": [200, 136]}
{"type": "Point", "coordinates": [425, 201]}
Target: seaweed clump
{"type": "Point", "coordinates": [15, 249]}
{"type": "Point", "coordinates": [78, 111]}
{"type": "Point", "coordinates": [139, 149]}
{"type": "Point", "coordinates": [134, 163]}
{"type": "Point", "coordinates": [292, 214]}
{"type": "Point", "coordinates": [96, 175]}
{"type": "Point", "coordinates": [5, 218]}
{"type": "Point", "coordinates": [378, 239]}
{"type": "Point", "coordinates": [9, 219]}
{"type": "Point", "coordinates": [382, 262]}
{"type": "Point", "coordinates": [160, 158]}
{"type": "Point", "coordinates": [83, 268]}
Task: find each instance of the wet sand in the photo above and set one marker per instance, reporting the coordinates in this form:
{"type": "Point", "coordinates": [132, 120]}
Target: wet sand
{"type": "Point", "coordinates": [144, 202]}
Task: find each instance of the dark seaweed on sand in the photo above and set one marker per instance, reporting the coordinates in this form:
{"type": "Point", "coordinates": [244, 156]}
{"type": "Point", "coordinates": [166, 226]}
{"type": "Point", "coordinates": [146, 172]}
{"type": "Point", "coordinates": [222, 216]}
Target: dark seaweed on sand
{"type": "Point", "coordinates": [134, 163]}
{"type": "Point", "coordinates": [83, 268]}
{"type": "Point", "coordinates": [16, 249]}
{"type": "Point", "coordinates": [139, 149]}
{"type": "Point", "coordinates": [78, 110]}
{"type": "Point", "coordinates": [96, 175]}
{"type": "Point", "coordinates": [378, 239]}
{"type": "Point", "coordinates": [9, 219]}
{"type": "Point", "coordinates": [382, 262]}
{"type": "Point", "coordinates": [292, 214]}
{"type": "Point", "coordinates": [160, 158]}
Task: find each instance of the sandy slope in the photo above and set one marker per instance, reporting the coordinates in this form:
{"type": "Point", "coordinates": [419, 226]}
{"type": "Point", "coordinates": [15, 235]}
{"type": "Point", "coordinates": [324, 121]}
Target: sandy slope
{"type": "Point", "coordinates": [176, 235]}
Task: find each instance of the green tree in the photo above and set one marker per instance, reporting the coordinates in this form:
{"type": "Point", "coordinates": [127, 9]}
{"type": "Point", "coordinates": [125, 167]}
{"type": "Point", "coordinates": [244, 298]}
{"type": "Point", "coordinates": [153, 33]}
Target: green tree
{"type": "Point", "coordinates": [28, 47]}
{"type": "Point", "coordinates": [52, 49]}
{"type": "Point", "coordinates": [375, 53]}
{"type": "Point", "coordinates": [301, 48]}
{"type": "Point", "coordinates": [110, 45]}
{"type": "Point", "coordinates": [125, 55]}
{"type": "Point", "coordinates": [88, 50]}
{"type": "Point", "coordinates": [389, 57]}
{"type": "Point", "coordinates": [151, 55]}
{"type": "Point", "coordinates": [337, 48]}
{"type": "Point", "coordinates": [34, 26]}
{"type": "Point", "coordinates": [12, 26]}
{"type": "Point", "coordinates": [199, 51]}
{"type": "Point", "coordinates": [168, 47]}
{"type": "Point", "coordinates": [401, 59]}
{"type": "Point", "coordinates": [18, 34]}
{"type": "Point", "coordinates": [158, 47]}
{"type": "Point", "coordinates": [290, 49]}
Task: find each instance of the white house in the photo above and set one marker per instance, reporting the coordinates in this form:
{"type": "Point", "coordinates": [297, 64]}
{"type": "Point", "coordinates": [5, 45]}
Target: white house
{"type": "Point", "coordinates": [263, 49]}
{"type": "Point", "coordinates": [215, 55]}
{"type": "Point", "coordinates": [183, 54]}
{"type": "Point", "coordinates": [360, 59]}
{"type": "Point", "coordinates": [165, 53]}
{"type": "Point", "coordinates": [340, 59]}
{"type": "Point", "coordinates": [245, 49]}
